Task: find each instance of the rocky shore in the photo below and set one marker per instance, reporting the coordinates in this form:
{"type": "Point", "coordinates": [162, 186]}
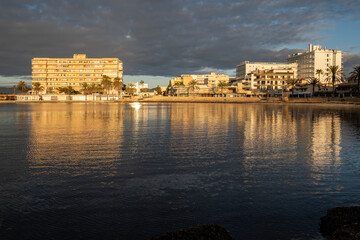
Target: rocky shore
{"type": "Point", "coordinates": [341, 223]}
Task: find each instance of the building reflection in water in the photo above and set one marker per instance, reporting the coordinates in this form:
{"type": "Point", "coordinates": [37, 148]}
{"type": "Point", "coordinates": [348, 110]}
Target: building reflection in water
{"type": "Point", "coordinates": [264, 137]}
{"type": "Point", "coordinates": [81, 138]}
{"type": "Point", "coordinates": [75, 138]}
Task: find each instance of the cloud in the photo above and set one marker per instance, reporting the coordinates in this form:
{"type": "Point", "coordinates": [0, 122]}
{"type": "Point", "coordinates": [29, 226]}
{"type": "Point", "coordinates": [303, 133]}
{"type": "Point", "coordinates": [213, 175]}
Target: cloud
{"type": "Point", "coordinates": [350, 60]}
{"type": "Point", "coordinates": [161, 37]}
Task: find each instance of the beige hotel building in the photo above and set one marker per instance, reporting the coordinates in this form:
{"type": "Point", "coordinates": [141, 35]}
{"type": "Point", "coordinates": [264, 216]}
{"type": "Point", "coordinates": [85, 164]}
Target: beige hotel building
{"type": "Point", "coordinates": [53, 73]}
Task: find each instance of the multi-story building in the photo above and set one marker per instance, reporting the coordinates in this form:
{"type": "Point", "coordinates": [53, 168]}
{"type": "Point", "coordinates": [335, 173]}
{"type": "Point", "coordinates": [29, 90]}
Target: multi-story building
{"type": "Point", "coordinates": [316, 57]}
{"type": "Point", "coordinates": [53, 73]}
{"type": "Point", "coordinates": [247, 67]}
{"type": "Point", "coordinates": [207, 83]}
{"type": "Point", "coordinates": [211, 80]}
{"type": "Point", "coordinates": [273, 79]}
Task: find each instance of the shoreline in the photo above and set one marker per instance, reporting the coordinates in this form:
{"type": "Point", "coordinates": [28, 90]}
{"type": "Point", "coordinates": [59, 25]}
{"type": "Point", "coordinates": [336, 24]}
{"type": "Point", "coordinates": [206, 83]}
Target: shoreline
{"type": "Point", "coordinates": [237, 100]}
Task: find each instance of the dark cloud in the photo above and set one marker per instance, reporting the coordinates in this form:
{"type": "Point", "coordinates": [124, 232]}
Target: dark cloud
{"type": "Point", "coordinates": [350, 60]}
{"type": "Point", "coordinates": [160, 37]}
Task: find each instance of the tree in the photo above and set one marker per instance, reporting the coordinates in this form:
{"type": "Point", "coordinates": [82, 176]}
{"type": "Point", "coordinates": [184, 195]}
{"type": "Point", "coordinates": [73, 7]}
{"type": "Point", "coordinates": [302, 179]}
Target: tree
{"type": "Point", "coordinates": [85, 88]}
{"type": "Point", "coordinates": [158, 90]}
{"type": "Point", "coordinates": [106, 83]}
{"type": "Point", "coordinates": [14, 87]}
{"type": "Point", "coordinates": [118, 85]}
{"type": "Point", "coordinates": [192, 86]}
{"type": "Point", "coordinates": [22, 87]}
{"type": "Point", "coordinates": [319, 72]}
{"type": "Point", "coordinates": [131, 88]}
{"type": "Point", "coordinates": [37, 87]}
{"type": "Point", "coordinates": [313, 82]}
{"type": "Point", "coordinates": [336, 75]}
{"type": "Point", "coordinates": [67, 90]}
{"type": "Point", "coordinates": [292, 83]}
{"type": "Point", "coordinates": [141, 82]}
{"type": "Point", "coordinates": [222, 85]}
{"type": "Point", "coordinates": [355, 76]}
{"type": "Point", "coordinates": [98, 88]}
{"type": "Point", "coordinates": [91, 88]}
{"type": "Point", "coordinates": [178, 86]}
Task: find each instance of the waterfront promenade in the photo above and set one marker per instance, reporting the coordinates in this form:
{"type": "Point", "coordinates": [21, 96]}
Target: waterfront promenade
{"type": "Point", "coordinates": [169, 99]}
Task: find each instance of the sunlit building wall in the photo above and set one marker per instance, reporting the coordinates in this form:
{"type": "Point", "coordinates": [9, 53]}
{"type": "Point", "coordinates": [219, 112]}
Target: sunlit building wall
{"type": "Point", "coordinates": [247, 67]}
{"type": "Point", "coordinates": [211, 80]}
{"type": "Point", "coordinates": [316, 57]}
{"type": "Point", "coordinates": [274, 79]}
{"type": "Point", "coordinates": [53, 73]}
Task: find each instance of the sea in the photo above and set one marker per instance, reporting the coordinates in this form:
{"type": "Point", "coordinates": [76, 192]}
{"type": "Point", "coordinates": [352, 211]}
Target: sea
{"type": "Point", "coordinates": [139, 170]}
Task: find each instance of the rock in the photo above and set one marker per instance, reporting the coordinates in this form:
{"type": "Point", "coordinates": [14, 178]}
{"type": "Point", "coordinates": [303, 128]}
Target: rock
{"type": "Point", "coordinates": [341, 223]}
{"type": "Point", "coordinates": [202, 232]}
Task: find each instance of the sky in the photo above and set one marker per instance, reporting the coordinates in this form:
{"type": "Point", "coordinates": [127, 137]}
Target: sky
{"type": "Point", "coordinates": [160, 39]}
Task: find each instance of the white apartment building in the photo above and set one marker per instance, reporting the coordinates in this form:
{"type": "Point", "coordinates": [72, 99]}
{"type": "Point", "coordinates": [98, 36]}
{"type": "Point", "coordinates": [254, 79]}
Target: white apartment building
{"type": "Point", "coordinates": [247, 67]}
{"type": "Point", "coordinates": [316, 57]}
{"type": "Point", "coordinates": [139, 87]}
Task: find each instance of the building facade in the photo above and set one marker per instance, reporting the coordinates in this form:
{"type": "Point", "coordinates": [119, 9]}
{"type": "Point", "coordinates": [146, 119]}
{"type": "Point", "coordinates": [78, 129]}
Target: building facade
{"type": "Point", "coordinates": [53, 73]}
{"type": "Point", "coordinates": [211, 80]}
{"type": "Point", "coordinates": [207, 84]}
{"type": "Point", "coordinates": [247, 67]}
{"type": "Point", "coordinates": [273, 79]}
{"type": "Point", "coordinates": [316, 57]}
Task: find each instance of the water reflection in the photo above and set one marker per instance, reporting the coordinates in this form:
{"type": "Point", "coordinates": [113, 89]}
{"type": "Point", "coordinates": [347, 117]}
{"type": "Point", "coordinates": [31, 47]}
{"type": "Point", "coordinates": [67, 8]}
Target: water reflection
{"type": "Point", "coordinates": [326, 139]}
{"type": "Point", "coordinates": [80, 139]}
{"type": "Point", "coordinates": [135, 105]}
{"type": "Point", "coordinates": [75, 138]}
{"type": "Point", "coordinates": [165, 166]}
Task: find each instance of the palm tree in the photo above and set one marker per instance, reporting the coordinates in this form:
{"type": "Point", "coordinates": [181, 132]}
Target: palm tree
{"type": "Point", "coordinates": [336, 75]}
{"type": "Point", "coordinates": [106, 83]}
{"type": "Point", "coordinates": [222, 85]}
{"type": "Point", "coordinates": [91, 88]}
{"type": "Point", "coordinates": [22, 86]}
{"type": "Point", "coordinates": [355, 75]}
{"type": "Point", "coordinates": [313, 82]}
{"type": "Point", "coordinates": [67, 90]}
{"type": "Point", "coordinates": [142, 82]}
{"type": "Point", "coordinates": [131, 88]}
{"type": "Point", "coordinates": [98, 88]}
{"type": "Point", "coordinates": [178, 85]}
{"type": "Point", "coordinates": [292, 83]}
{"type": "Point", "coordinates": [319, 72]}
{"type": "Point", "coordinates": [85, 88]}
{"type": "Point", "coordinates": [192, 86]}
{"type": "Point", "coordinates": [14, 87]}
{"type": "Point", "coordinates": [118, 85]}
{"type": "Point", "coordinates": [37, 87]}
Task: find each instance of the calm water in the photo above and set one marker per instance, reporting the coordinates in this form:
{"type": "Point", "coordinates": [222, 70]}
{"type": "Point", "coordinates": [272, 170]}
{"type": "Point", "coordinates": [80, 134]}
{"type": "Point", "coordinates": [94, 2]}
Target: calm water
{"type": "Point", "coordinates": [127, 171]}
